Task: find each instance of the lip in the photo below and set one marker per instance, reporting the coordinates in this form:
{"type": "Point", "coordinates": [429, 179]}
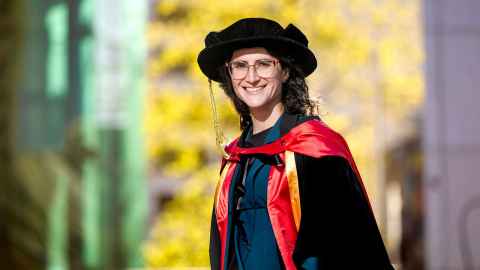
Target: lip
{"type": "Point", "coordinates": [253, 89]}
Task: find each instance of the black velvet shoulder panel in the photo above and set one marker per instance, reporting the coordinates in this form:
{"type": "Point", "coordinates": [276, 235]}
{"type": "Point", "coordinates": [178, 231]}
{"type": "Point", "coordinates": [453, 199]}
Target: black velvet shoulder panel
{"type": "Point", "coordinates": [337, 226]}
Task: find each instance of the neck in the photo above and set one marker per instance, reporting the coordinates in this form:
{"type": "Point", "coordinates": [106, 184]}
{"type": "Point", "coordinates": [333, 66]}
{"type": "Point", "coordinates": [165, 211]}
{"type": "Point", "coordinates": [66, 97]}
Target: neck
{"type": "Point", "coordinates": [264, 119]}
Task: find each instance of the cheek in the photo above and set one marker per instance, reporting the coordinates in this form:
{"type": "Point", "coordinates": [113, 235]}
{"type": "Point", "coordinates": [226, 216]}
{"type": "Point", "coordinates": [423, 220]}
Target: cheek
{"type": "Point", "coordinates": [277, 83]}
{"type": "Point", "coordinates": [278, 88]}
{"type": "Point", "coordinates": [237, 92]}
{"type": "Point", "coordinates": [235, 89]}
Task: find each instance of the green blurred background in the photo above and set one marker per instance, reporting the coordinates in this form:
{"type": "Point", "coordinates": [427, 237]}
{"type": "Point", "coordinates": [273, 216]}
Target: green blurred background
{"type": "Point", "coordinates": [108, 155]}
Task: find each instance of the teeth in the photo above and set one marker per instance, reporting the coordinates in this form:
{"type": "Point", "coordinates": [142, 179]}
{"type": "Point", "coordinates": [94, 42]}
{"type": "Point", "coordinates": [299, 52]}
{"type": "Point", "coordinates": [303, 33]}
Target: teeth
{"type": "Point", "coordinates": [253, 88]}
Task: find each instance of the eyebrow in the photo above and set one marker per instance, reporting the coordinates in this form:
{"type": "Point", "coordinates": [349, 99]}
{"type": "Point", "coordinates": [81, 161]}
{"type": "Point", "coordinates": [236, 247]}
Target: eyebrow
{"type": "Point", "coordinates": [261, 59]}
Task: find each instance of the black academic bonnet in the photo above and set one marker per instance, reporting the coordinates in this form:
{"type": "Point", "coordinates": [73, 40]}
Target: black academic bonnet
{"type": "Point", "coordinates": [255, 32]}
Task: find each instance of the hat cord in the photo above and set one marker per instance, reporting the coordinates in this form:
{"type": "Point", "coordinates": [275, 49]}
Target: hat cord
{"type": "Point", "coordinates": [219, 136]}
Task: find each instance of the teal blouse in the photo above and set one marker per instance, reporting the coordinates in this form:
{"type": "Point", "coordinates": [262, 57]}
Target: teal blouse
{"type": "Point", "coordinates": [255, 245]}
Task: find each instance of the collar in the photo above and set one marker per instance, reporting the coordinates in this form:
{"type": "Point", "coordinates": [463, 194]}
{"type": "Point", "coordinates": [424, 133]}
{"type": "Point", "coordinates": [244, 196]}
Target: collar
{"type": "Point", "coordinates": [289, 137]}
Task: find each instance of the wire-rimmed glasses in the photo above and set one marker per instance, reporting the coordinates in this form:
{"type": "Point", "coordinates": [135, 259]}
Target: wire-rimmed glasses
{"type": "Point", "coordinates": [263, 67]}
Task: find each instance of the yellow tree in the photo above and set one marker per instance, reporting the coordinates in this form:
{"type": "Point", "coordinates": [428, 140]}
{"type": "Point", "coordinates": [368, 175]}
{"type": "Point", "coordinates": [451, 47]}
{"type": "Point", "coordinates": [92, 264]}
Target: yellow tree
{"type": "Point", "coordinates": [369, 66]}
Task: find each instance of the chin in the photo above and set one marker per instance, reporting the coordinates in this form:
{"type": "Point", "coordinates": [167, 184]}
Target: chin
{"type": "Point", "coordinates": [252, 104]}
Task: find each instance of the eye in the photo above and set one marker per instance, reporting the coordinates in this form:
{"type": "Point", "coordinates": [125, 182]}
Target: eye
{"type": "Point", "coordinates": [265, 63]}
{"type": "Point", "coordinates": [238, 65]}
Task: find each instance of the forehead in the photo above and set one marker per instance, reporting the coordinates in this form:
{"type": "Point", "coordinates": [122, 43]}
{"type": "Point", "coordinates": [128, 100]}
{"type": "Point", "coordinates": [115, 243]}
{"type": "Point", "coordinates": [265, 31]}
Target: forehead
{"type": "Point", "coordinates": [246, 54]}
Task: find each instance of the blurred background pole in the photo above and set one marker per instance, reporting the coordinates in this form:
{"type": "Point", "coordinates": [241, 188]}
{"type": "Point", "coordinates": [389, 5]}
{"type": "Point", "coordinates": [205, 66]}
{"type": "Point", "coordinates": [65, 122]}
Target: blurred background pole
{"type": "Point", "coordinates": [379, 156]}
{"type": "Point", "coordinates": [57, 88]}
{"type": "Point", "coordinates": [115, 201]}
{"type": "Point", "coordinates": [12, 39]}
{"type": "Point", "coordinates": [379, 144]}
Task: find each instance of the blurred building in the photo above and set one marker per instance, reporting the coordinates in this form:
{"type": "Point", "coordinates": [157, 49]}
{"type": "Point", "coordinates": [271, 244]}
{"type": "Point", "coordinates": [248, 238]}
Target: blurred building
{"type": "Point", "coordinates": [74, 193]}
{"type": "Point", "coordinates": [451, 134]}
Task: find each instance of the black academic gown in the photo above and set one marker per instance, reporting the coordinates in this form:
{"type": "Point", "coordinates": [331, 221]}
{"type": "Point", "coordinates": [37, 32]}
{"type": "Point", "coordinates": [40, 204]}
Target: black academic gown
{"type": "Point", "coordinates": [337, 229]}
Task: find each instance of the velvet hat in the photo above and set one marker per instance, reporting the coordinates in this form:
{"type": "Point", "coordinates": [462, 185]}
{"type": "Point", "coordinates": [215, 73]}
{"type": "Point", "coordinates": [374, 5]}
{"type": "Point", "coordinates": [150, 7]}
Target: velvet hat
{"type": "Point", "coordinates": [255, 32]}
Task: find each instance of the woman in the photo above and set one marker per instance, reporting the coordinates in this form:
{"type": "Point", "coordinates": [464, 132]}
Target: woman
{"type": "Point", "coordinates": [289, 195]}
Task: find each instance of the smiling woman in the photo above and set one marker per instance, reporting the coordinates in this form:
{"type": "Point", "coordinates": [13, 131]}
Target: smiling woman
{"type": "Point", "coordinates": [293, 88]}
{"type": "Point", "coordinates": [289, 195]}
{"type": "Point", "coordinates": [260, 88]}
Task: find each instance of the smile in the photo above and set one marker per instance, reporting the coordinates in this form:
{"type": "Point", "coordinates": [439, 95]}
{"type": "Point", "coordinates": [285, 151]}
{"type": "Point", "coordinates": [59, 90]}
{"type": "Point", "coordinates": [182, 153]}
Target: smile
{"type": "Point", "coordinates": [253, 89]}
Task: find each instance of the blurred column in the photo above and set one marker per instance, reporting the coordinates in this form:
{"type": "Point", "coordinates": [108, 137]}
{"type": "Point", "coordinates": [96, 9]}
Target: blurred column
{"type": "Point", "coordinates": [115, 200]}
{"type": "Point", "coordinates": [452, 134]}
{"type": "Point", "coordinates": [56, 24]}
{"type": "Point", "coordinates": [92, 179]}
{"type": "Point", "coordinates": [12, 32]}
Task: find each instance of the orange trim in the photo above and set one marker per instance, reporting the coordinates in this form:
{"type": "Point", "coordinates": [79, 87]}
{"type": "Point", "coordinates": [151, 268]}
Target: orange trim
{"type": "Point", "coordinates": [292, 177]}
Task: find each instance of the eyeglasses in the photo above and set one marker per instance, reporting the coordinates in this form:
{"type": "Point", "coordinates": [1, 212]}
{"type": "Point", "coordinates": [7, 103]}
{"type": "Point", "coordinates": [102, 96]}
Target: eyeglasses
{"type": "Point", "coordinates": [263, 67]}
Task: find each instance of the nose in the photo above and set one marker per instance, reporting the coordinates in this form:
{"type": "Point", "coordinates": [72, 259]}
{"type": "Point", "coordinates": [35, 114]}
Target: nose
{"type": "Point", "coordinates": [252, 76]}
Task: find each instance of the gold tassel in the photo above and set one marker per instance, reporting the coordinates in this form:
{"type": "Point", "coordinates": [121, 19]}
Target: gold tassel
{"type": "Point", "coordinates": [219, 136]}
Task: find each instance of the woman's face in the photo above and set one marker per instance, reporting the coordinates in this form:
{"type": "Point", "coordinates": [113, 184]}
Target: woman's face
{"type": "Point", "coordinates": [261, 86]}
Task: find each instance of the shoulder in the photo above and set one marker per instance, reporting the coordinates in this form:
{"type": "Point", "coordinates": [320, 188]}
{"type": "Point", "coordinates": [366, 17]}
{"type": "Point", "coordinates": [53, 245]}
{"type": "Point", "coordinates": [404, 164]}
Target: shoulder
{"type": "Point", "coordinates": [316, 139]}
{"type": "Point", "coordinates": [315, 129]}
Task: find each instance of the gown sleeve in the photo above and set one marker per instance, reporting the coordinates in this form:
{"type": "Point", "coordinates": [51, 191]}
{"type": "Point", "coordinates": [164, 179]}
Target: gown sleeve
{"type": "Point", "coordinates": [215, 246]}
{"type": "Point", "coordinates": [337, 229]}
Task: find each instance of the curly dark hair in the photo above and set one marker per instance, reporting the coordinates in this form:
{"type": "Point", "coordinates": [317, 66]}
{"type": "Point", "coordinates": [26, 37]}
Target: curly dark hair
{"type": "Point", "coordinates": [295, 96]}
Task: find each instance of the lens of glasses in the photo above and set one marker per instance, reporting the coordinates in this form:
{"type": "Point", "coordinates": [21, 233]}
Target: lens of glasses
{"type": "Point", "coordinates": [264, 68]}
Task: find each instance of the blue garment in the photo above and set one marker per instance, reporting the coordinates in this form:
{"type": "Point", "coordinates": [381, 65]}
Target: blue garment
{"type": "Point", "coordinates": [254, 241]}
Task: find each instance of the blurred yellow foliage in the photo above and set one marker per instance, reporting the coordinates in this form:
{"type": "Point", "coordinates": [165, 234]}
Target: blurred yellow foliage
{"type": "Point", "coordinates": [363, 48]}
{"type": "Point", "coordinates": [181, 237]}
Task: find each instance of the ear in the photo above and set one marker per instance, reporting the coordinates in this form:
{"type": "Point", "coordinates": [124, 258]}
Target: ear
{"type": "Point", "coordinates": [285, 75]}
